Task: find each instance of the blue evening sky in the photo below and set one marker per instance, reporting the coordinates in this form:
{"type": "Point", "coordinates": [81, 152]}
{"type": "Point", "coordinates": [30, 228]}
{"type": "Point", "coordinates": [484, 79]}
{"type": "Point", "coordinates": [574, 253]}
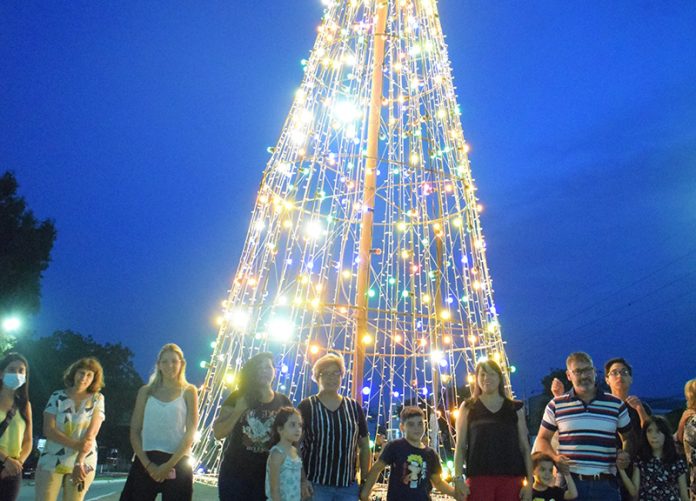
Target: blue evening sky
{"type": "Point", "coordinates": [142, 128]}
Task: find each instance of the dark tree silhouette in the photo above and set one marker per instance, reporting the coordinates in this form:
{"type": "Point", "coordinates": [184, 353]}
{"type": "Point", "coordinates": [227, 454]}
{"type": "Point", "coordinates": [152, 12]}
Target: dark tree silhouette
{"type": "Point", "coordinates": [25, 248]}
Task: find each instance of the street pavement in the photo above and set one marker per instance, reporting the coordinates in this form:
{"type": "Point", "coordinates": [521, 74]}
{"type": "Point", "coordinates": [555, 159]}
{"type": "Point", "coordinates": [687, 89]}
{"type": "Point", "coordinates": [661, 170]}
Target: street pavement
{"type": "Point", "coordinates": [109, 489]}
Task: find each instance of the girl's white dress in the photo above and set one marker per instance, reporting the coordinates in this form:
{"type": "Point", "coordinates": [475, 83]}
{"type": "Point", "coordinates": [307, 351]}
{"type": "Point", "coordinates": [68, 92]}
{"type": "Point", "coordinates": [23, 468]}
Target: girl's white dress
{"type": "Point", "coordinates": [290, 473]}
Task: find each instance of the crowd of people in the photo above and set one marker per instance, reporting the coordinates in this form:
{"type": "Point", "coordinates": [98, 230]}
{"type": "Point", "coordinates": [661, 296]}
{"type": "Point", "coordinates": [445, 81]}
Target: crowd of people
{"type": "Point", "coordinates": [591, 444]}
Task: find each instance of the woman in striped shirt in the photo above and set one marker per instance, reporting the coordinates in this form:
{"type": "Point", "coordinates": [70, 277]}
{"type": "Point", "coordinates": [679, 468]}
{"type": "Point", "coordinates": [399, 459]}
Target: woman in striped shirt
{"type": "Point", "coordinates": [334, 430]}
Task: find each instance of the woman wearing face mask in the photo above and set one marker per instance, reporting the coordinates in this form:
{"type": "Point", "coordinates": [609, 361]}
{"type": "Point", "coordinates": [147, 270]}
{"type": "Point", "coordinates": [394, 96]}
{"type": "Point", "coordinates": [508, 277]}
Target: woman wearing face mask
{"type": "Point", "coordinates": [72, 420]}
{"type": "Point", "coordinates": [15, 423]}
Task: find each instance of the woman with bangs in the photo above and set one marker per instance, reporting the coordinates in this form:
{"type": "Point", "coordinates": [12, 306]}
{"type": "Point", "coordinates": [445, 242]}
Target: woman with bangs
{"type": "Point", "coordinates": [492, 442]}
{"type": "Point", "coordinates": [161, 433]}
{"type": "Point", "coordinates": [72, 419]}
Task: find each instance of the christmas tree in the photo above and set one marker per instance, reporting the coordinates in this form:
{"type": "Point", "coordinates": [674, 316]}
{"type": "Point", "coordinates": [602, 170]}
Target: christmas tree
{"type": "Point", "coordinates": [365, 237]}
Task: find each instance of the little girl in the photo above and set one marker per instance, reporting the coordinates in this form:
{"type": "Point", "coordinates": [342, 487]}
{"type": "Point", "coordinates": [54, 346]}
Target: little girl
{"type": "Point", "coordinates": [659, 474]}
{"type": "Point", "coordinates": [284, 466]}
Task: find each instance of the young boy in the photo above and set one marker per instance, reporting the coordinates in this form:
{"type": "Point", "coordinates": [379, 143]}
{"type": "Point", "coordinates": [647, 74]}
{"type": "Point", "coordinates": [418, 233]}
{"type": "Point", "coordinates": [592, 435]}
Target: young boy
{"type": "Point", "coordinates": [414, 467]}
{"type": "Point", "coordinates": [544, 480]}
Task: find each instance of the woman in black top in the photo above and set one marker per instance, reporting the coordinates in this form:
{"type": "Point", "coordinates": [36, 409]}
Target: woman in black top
{"type": "Point", "coordinates": [245, 420]}
{"type": "Point", "coordinates": [492, 441]}
{"type": "Point", "coordinates": [334, 429]}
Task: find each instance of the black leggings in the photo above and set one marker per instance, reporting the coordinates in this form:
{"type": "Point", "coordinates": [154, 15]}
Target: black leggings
{"type": "Point", "coordinates": [140, 486]}
{"type": "Point", "coordinates": [9, 487]}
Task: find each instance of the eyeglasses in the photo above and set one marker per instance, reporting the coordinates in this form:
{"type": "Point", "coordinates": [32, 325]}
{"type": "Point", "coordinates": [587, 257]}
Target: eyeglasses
{"type": "Point", "coordinates": [331, 374]}
{"type": "Point", "coordinates": [617, 373]}
{"type": "Point", "coordinates": [583, 370]}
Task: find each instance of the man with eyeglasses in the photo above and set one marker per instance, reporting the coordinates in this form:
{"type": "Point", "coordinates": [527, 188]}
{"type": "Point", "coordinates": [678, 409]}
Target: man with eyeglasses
{"type": "Point", "coordinates": [587, 421]}
{"type": "Point", "coordinates": [618, 375]}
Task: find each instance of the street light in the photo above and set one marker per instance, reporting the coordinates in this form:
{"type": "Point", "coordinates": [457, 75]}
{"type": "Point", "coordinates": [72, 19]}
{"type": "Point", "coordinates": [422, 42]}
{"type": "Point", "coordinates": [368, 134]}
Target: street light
{"type": "Point", "coordinates": [11, 324]}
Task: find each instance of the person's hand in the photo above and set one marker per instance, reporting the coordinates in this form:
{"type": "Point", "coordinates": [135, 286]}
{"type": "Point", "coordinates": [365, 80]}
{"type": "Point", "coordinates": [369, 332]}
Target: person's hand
{"type": "Point", "coordinates": [562, 462]}
{"type": "Point", "coordinates": [623, 460]}
{"type": "Point", "coordinates": [163, 472]}
{"type": "Point", "coordinates": [557, 388]}
{"type": "Point", "coordinates": [306, 489]}
{"type": "Point", "coordinates": [526, 492]}
{"type": "Point", "coordinates": [635, 402]}
{"type": "Point", "coordinates": [78, 474]}
{"type": "Point", "coordinates": [11, 468]}
{"type": "Point", "coordinates": [158, 472]}
{"type": "Point", "coordinates": [563, 468]}
{"type": "Point", "coordinates": [461, 489]}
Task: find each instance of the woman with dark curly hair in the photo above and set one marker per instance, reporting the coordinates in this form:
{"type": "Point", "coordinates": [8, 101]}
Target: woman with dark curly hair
{"type": "Point", "coordinates": [15, 423]}
{"type": "Point", "coordinates": [245, 420]}
{"type": "Point", "coordinates": [72, 419]}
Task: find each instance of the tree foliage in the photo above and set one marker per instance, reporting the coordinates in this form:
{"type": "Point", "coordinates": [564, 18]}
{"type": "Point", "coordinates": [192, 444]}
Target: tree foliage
{"type": "Point", "coordinates": [50, 356]}
{"type": "Point", "coordinates": [25, 248]}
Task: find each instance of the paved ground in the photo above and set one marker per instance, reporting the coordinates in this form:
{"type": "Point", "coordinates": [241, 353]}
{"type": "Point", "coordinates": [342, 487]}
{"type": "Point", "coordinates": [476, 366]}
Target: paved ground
{"type": "Point", "coordinates": [109, 489]}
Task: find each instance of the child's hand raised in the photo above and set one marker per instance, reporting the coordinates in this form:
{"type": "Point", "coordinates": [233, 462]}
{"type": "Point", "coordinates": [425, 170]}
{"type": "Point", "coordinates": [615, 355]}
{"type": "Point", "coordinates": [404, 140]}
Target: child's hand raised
{"type": "Point", "coordinates": [623, 460]}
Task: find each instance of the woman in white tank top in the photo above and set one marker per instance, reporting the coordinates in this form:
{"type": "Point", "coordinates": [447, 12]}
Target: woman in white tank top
{"type": "Point", "coordinates": [162, 428]}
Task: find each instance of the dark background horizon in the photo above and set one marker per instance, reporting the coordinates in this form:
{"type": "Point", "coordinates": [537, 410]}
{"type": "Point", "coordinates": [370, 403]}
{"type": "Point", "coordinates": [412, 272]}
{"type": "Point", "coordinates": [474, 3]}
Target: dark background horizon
{"type": "Point", "coordinates": [142, 129]}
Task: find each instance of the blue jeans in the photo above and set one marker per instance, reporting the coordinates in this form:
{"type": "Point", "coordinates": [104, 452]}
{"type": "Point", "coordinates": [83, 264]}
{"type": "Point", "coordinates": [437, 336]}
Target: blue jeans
{"type": "Point", "coordinates": [330, 493]}
{"type": "Point", "coordinates": [603, 489]}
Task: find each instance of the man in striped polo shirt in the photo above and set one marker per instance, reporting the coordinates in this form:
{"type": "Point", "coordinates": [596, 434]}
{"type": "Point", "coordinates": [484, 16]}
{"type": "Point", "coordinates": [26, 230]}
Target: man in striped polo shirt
{"type": "Point", "coordinates": [587, 421]}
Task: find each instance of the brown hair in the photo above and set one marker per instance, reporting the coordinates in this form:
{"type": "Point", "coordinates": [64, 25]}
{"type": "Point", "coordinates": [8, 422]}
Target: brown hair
{"type": "Point", "coordinates": [411, 411]}
{"type": "Point", "coordinates": [90, 364]}
{"type": "Point", "coordinates": [541, 457]}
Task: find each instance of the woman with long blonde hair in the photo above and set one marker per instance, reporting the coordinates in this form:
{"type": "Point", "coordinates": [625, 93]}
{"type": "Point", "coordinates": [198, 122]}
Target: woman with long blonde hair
{"type": "Point", "coordinates": [162, 428]}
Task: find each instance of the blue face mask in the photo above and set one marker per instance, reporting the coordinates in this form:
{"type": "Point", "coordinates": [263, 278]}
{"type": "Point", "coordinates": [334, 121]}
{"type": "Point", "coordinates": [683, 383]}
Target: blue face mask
{"type": "Point", "coordinates": [13, 380]}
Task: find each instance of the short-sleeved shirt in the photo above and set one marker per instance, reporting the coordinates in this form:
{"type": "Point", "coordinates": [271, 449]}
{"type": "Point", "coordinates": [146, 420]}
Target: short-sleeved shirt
{"type": "Point", "coordinates": [550, 494]}
{"type": "Point", "coordinates": [330, 440]}
{"type": "Point", "coordinates": [587, 432]}
{"type": "Point", "coordinates": [246, 447]}
{"type": "Point", "coordinates": [659, 481]}
{"type": "Point", "coordinates": [493, 446]}
{"type": "Point", "coordinates": [411, 469]}
{"type": "Point", "coordinates": [72, 420]}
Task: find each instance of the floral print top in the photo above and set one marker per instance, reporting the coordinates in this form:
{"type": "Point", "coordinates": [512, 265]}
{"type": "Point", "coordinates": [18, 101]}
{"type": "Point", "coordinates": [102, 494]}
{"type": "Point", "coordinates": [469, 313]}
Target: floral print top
{"type": "Point", "coordinates": [659, 481]}
{"type": "Point", "coordinates": [690, 450]}
{"type": "Point", "coordinates": [73, 421]}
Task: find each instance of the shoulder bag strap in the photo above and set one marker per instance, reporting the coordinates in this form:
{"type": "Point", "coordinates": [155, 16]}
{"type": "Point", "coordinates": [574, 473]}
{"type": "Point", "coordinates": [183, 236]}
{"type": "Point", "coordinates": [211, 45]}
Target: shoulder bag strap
{"type": "Point", "coordinates": [6, 422]}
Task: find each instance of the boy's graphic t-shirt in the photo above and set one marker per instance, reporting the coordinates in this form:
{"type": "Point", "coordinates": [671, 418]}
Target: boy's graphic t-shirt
{"type": "Point", "coordinates": [550, 494]}
{"type": "Point", "coordinates": [411, 469]}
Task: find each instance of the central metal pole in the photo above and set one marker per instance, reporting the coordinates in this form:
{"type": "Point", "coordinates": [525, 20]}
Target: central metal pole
{"type": "Point", "coordinates": [369, 189]}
